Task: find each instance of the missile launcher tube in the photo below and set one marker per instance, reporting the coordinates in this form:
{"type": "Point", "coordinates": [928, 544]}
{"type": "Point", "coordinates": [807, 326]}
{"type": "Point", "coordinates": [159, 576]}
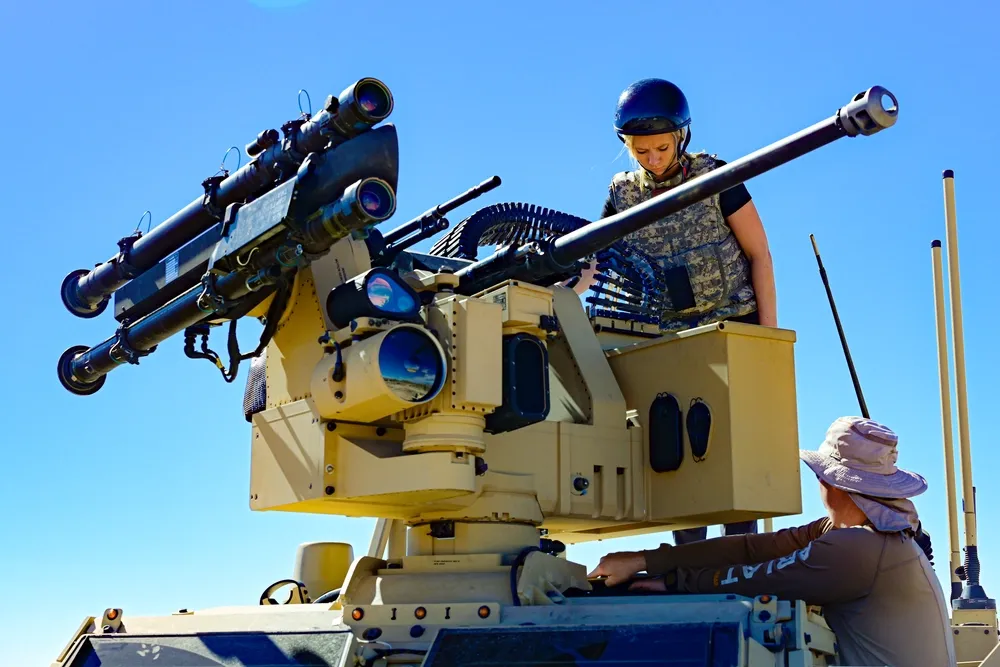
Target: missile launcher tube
{"type": "Point", "coordinates": [86, 293]}
{"type": "Point", "coordinates": [83, 370]}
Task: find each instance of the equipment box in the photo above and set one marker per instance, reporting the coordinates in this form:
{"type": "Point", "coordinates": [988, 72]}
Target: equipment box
{"type": "Point", "coordinates": [717, 411]}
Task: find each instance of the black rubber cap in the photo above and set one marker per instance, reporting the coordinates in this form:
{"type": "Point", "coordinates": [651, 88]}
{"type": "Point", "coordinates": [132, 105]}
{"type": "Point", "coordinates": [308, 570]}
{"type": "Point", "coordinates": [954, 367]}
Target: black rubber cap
{"type": "Point", "coordinates": [935, 244]}
{"type": "Point", "coordinates": [948, 173]}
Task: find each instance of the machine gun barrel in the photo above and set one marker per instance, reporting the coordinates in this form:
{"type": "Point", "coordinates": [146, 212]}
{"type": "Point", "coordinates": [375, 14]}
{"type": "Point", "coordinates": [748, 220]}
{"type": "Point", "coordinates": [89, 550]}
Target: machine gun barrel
{"type": "Point", "coordinates": [865, 114]}
{"type": "Point", "coordinates": [427, 224]}
{"type": "Point", "coordinates": [86, 293]}
{"type": "Point", "coordinates": [439, 211]}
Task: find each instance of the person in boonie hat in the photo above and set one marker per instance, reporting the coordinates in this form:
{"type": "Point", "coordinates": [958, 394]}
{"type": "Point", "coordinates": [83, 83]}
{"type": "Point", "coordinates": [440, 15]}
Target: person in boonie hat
{"type": "Point", "coordinates": [863, 563]}
{"type": "Point", "coordinates": [858, 456]}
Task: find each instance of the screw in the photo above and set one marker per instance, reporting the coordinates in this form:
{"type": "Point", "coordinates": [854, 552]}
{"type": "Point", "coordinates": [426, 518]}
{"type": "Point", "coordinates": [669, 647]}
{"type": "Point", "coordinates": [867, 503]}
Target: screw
{"type": "Point", "coordinates": [339, 395]}
{"type": "Point", "coordinates": [331, 426]}
{"type": "Point", "coordinates": [329, 490]}
{"type": "Point", "coordinates": [380, 431]}
{"type": "Point", "coordinates": [329, 469]}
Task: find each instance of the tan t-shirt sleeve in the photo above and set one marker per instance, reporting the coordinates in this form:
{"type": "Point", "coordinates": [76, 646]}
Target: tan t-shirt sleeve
{"type": "Point", "coordinates": [735, 548]}
{"type": "Point", "coordinates": [837, 567]}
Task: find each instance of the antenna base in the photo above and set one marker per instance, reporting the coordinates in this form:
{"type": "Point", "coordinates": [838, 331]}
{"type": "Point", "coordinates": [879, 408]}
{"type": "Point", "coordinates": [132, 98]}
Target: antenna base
{"type": "Point", "coordinates": [973, 597]}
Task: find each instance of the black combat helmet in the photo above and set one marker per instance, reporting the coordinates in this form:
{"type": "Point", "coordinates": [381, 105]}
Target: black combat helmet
{"type": "Point", "coordinates": [651, 106]}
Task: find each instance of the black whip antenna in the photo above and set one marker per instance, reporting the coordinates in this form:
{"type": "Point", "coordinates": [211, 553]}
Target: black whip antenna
{"type": "Point", "coordinates": [840, 330]}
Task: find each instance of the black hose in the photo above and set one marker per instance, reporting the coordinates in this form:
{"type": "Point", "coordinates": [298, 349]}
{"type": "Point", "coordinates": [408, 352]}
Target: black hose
{"type": "Point", "coordinates": [329, 596]}
{"type": "Point", "coordinates": [518, 562]}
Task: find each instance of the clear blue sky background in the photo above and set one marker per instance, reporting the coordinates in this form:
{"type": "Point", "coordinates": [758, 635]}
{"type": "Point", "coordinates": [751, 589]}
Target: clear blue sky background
{"type": "Point", "coordinates": [137, 497]}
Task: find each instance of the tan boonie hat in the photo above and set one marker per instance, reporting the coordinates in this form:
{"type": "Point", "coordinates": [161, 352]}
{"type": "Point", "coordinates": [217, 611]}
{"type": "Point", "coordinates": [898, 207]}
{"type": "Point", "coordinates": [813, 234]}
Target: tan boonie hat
{"type": "Point", "coordinates": [859, 455]}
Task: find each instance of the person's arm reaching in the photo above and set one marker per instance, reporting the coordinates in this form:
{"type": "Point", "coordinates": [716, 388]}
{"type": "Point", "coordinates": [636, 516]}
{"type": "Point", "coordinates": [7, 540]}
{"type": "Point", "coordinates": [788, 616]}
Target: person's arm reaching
{"type": "Point", "coordinates": [618, 567]}
{"type": "Point", "coordinates": [837, 567]}
{"type": "Point", "coordinates": [735, 548]}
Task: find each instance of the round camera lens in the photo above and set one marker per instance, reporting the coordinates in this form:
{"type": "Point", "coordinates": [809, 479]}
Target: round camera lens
{"type": "Point", "coordinates": [411, 365]}
{"type": "Point", "coordinates": [373, 99]}
{"type": "Point", "coordinates": [370, 201]}
{"type": "Point", "coordinates": [375, 199]}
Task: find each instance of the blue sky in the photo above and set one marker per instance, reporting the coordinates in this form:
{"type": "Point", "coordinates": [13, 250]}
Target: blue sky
{"type": "Point", "coordinates": [137, 497]}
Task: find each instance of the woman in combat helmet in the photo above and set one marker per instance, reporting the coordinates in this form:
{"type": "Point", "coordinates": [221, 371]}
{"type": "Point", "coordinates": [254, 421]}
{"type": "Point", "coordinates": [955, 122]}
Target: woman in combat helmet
{"type": "Point", "coordinates": [715, 254]}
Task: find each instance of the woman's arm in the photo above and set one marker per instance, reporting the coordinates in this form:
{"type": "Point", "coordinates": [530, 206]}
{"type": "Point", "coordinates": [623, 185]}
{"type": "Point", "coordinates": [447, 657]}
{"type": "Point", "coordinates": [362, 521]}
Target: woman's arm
{"type": "Point", "coordinates": [749, 231]}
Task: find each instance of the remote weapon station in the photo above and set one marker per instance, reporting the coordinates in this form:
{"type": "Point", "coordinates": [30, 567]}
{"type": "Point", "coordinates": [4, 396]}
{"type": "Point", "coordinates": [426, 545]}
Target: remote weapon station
{"type": "Point", "coordinates": [472, 405]}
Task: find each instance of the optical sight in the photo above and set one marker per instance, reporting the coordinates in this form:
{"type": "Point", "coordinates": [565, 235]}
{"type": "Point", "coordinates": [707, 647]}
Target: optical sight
{"type": "Point", "coordinates": [379, 376]}
{"type": "Point", "coordinates": [376, 293]}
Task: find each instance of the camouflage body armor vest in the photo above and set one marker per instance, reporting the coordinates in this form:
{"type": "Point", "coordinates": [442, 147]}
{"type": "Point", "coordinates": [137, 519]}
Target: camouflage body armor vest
{"type": "Point", "coordinates": [707, 273]}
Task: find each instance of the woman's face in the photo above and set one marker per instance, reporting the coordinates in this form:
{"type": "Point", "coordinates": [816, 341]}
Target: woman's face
{"type": "Point", "coordinates": [655, 152]}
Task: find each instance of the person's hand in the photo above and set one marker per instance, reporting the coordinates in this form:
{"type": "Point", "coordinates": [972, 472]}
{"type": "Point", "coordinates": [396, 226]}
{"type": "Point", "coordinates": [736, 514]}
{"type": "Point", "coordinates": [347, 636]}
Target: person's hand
{"type": "Point", "coordinates": [666, 583]}
{"type": "Point", "coordinates": [657, 584]}
{"type": "Point", "coordinates": [619, 567]}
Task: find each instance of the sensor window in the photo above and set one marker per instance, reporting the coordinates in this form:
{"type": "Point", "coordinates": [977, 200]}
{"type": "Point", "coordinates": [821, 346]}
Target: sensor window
{"type": "Point", "coordinates": [411, 365]}
{"type": "Point", "coordinates": [389, 297]}
{"type": "Point", "coordinates": [376, 293]}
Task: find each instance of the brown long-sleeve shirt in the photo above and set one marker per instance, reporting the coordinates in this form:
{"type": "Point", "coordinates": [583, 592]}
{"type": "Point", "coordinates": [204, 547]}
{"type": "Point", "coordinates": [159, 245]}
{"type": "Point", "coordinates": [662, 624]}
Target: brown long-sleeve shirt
{"type": "Point", "coordinates": [879, 593]}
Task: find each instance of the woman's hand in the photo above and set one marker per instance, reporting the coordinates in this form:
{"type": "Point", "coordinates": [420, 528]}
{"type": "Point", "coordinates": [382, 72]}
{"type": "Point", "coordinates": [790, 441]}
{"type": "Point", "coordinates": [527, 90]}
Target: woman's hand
{"type": "Point", "coordinates": [619, 567]}
{"type": "Point", "coordinates": [587, 278]}
{"type": "Point", "coordinates": [584, 282]}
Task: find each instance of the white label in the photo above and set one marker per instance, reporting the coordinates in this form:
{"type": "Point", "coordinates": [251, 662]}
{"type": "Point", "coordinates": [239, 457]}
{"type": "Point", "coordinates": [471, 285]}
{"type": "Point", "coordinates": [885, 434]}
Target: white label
{"type": "Point", "coordinates": [171, 268]}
